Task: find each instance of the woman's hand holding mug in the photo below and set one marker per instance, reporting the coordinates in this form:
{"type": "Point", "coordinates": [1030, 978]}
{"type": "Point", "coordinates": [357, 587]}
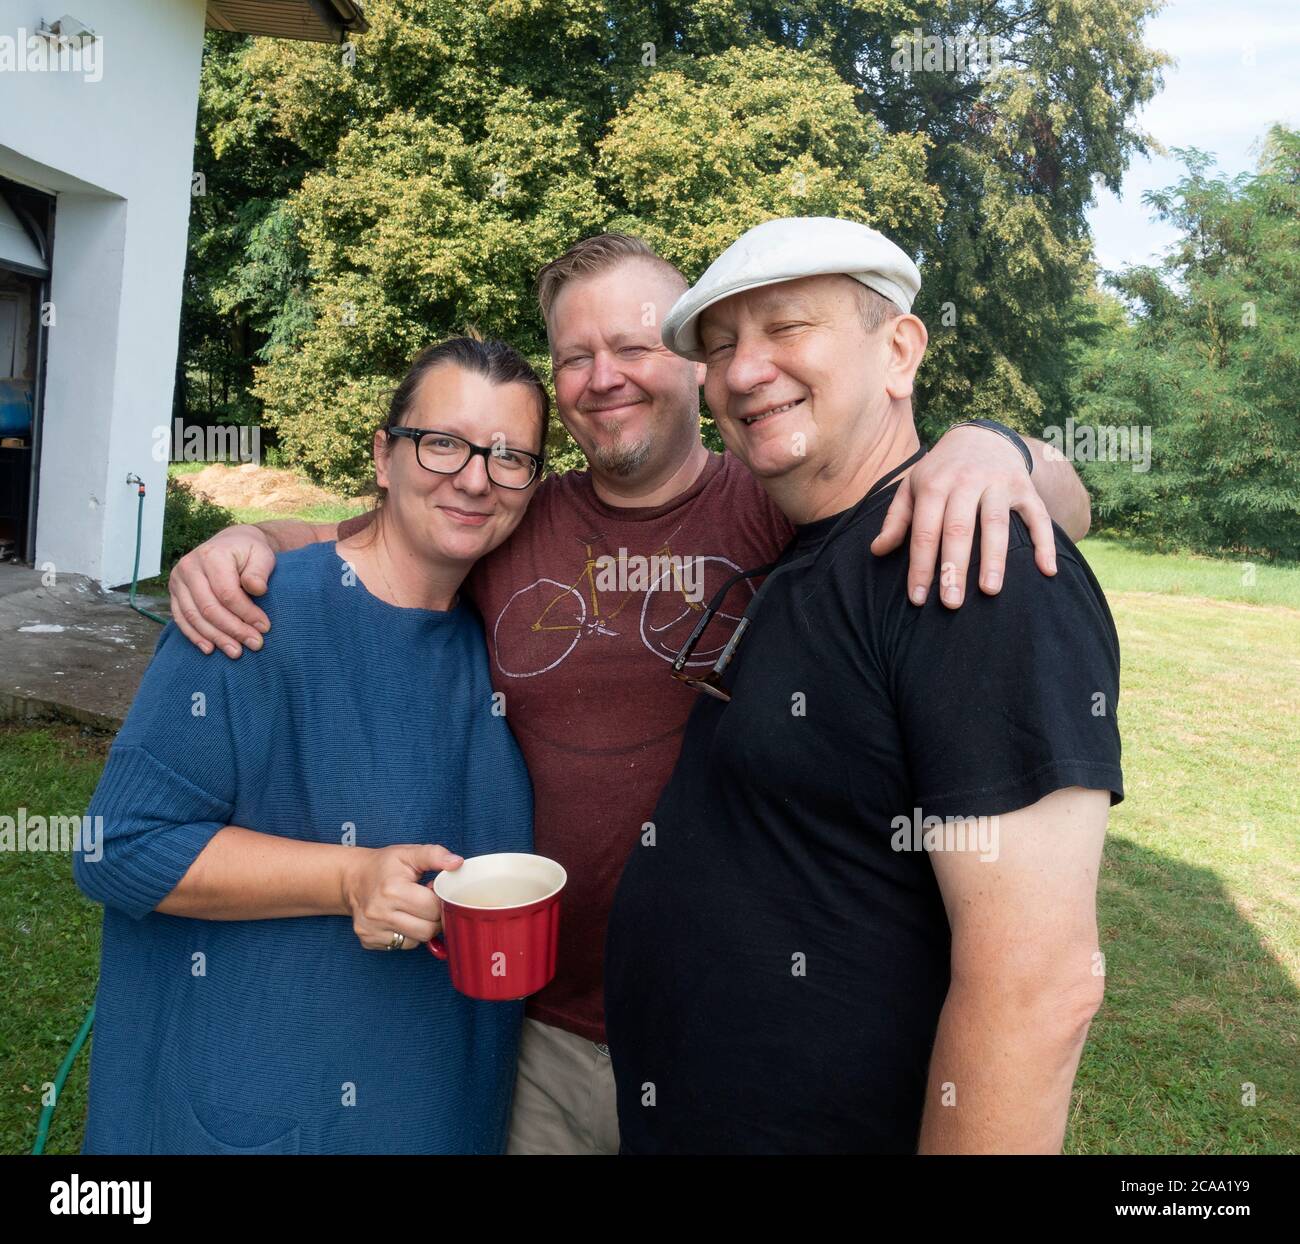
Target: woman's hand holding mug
{"type": "Point", "coordinates": [382, 890]}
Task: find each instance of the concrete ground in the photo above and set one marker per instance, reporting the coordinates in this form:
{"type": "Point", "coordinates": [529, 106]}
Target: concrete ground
{"type": "Point", "coordinates": [71, 649]}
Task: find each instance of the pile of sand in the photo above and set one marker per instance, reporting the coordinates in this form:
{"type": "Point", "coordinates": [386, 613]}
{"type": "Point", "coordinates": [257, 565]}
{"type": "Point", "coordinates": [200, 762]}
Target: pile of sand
{"type": "Point", "coordinates": [253, 487]}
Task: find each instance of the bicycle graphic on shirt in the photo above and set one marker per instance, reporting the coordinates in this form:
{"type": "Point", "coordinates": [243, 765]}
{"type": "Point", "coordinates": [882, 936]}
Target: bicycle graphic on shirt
{"type": "Point", "coordinates": [542, 624]}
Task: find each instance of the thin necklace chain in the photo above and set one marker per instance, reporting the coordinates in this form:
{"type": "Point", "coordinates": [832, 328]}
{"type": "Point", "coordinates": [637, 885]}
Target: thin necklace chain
{"type": "Point", "coordinates": [396, 599]}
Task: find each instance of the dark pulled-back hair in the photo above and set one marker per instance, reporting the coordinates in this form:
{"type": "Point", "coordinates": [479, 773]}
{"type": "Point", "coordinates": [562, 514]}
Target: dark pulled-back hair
{"type": "Point", "coordinates": [495, 360]}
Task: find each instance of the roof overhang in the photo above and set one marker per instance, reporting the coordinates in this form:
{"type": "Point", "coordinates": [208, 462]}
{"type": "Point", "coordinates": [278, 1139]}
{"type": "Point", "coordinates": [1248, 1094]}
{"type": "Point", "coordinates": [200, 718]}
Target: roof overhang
{"type": "Point", "coordinates": [316, 21]}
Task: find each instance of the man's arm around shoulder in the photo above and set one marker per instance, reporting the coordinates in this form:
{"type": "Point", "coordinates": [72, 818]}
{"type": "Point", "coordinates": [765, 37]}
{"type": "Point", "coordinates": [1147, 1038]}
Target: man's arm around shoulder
{"type": "Point", "coordinates": [212, 586]}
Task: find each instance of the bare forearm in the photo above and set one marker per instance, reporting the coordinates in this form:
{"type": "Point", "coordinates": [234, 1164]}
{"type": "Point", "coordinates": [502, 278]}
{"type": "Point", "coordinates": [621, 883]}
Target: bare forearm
{"type": "Point", "coordinates": [1061, 489]}
{"type": "Point", "coordinates": [284, 534]}
{"type": "Point", "coordinates": [245, 875]}
{"type": "Point", "coordinates": [1000, 1074]}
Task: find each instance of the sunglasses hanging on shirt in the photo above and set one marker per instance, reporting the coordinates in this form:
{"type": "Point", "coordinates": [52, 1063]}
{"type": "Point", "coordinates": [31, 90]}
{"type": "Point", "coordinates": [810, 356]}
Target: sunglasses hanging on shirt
{"type": "Point", "coordinates": [710, 683]}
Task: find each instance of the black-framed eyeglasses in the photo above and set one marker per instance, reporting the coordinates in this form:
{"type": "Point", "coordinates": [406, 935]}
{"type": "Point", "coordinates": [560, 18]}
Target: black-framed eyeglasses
{"type": "Point", "coordinates": [444, 453]}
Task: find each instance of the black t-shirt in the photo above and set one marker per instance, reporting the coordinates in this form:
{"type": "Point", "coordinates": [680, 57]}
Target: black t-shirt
{"type": "Point", "coordinates": [775, 967]}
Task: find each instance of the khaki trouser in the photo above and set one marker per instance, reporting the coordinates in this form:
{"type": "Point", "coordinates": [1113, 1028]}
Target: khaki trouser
{"type": "Point", "coordinates": [564, 1095]}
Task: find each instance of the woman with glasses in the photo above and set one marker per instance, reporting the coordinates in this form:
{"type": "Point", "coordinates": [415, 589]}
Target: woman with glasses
{"type": "Point", "coordinates": [269, 824]}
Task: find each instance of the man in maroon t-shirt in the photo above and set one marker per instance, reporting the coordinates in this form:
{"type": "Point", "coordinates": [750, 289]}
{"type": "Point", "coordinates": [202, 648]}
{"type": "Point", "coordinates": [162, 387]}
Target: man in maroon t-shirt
{"type": "Point", "coordinates": [586, 605]}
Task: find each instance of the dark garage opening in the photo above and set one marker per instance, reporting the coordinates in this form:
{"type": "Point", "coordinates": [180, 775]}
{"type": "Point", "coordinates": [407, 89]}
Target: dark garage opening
{"type": "Point", "coordinates": [26, 220]}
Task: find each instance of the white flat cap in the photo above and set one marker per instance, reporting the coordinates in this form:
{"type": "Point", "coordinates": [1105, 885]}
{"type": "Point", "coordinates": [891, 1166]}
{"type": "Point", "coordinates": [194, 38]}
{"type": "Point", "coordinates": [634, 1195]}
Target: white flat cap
{"type": "Point", "coordinates": [785, 250]}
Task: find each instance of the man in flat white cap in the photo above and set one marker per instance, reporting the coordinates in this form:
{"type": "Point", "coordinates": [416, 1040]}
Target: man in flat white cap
{"type": "Point", "coordinates": [863, 918]}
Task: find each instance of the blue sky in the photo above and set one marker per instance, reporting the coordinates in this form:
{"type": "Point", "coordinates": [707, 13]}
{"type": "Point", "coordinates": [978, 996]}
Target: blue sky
{"type": "Point", "coordinates": [1237, 71]}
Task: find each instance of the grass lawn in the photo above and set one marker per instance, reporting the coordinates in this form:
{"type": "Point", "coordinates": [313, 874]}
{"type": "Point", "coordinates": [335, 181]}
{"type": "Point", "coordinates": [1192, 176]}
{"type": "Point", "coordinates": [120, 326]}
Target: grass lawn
{"type": "Point", "coordinates": [1199, 893]}
{"type": "Point", "coordinates": [309, 514]}
{"type": "Point", "coordinates": [1121, 568]}
{"type": "Point", "coordinates": [49, 936]}
{"type": "Point", "coordinates": [1200, 886]}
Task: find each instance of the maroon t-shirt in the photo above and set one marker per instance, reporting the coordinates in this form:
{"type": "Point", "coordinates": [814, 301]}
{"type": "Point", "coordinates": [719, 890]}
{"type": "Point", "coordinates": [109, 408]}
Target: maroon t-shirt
{"type": "Point", "coordinates": [581, 648]}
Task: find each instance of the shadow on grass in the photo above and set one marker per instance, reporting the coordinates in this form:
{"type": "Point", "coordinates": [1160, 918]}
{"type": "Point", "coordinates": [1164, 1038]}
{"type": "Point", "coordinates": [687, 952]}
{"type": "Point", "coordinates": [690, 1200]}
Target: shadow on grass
{"type": "Point", "coordinates": [1197, 1011]}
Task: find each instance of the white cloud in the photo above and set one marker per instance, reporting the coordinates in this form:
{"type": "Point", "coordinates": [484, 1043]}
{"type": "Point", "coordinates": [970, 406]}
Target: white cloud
{"type": "Point", "coordinates": [1214, 99]}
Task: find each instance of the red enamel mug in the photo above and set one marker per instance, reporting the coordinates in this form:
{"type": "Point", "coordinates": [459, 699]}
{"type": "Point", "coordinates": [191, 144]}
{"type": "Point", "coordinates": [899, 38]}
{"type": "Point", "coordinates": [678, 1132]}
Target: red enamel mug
{"type": "Point", "coordinates": [500, 924]}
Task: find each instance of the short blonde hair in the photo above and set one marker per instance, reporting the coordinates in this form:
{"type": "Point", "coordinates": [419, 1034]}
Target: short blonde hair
{"type": "Point", "coordinates": [592, 256]}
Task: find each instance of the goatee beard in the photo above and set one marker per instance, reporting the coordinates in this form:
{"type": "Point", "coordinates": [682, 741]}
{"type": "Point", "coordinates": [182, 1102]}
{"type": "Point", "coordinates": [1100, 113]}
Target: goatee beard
{"type": "Point", "coordinates": [619, 459]}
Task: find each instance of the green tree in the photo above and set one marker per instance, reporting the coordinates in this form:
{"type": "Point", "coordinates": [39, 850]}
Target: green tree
{"type": "Point", "coordinates": [411, 234]}
{"type": "Point", "coordinates": [246, 272]}
{"type": "Point", "coordinates": [467, 144]}
{"type": "Point", "coordinates": [1210, 362]}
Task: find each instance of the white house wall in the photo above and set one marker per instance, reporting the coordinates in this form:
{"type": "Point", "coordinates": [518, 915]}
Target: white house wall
{"type": "Point", "coordinates": [117, 152]}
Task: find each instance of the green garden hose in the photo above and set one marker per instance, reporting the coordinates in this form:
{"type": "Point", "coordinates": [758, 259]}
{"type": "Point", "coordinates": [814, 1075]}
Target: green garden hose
{"type": "Point", "coordinates": [47, 1112]}
{"type": "Point", "coordinates": [135, 570]}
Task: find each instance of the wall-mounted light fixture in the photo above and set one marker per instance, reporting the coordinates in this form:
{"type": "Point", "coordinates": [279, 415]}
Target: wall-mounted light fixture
{"type": "Point", "coordinates": [66, 30]}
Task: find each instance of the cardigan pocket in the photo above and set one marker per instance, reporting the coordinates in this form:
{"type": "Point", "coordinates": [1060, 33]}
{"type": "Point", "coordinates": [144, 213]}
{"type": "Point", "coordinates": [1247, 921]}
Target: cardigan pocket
{"type": "Point", "coordinates": [199, 1127]}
